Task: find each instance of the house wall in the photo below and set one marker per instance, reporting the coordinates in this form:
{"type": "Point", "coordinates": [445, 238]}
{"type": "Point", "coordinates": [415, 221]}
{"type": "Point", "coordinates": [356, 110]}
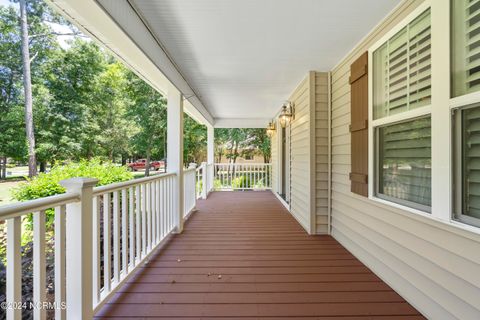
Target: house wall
{"type": "Point", "coordinates": [308, 143]}
{"type": "Point", "coordinates": [274, 160]}
{"type": "Point", "coordinates": [433, 265]}
{"type": "Point", "coordinates": [300, 137]}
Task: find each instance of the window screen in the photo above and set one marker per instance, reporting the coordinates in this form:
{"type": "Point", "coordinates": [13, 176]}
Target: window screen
{"type": "Point", "coordinates": [404, 163]}
{"type": "Point", "coordinates": [469, 133]}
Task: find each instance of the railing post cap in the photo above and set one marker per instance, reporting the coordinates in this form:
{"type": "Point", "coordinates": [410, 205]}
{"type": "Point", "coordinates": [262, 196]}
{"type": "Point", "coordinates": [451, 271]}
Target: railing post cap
{"type": "Point", "coordinates": [192, 165]}
{"type": "Point", "coordinates": [78, 183]}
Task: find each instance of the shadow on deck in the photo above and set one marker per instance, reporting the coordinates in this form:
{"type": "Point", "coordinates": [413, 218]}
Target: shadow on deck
{"type": "Point", "coordinates": [243, 256]}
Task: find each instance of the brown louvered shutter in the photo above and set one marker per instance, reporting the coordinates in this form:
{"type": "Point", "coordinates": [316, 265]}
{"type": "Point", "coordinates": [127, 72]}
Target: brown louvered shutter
{"type": "Point", "coordinates": [359, 125]}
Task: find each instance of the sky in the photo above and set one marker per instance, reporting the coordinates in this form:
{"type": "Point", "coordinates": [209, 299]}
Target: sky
{"type": "Point", "coordinates": [6, 3]}
{"type": "Point", "coordinates": [62, 40]}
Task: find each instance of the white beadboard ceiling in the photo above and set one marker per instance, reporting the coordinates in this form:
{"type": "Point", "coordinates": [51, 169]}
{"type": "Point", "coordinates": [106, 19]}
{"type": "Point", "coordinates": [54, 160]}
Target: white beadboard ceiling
{"type": "Point", "coordinates": [243, 58]}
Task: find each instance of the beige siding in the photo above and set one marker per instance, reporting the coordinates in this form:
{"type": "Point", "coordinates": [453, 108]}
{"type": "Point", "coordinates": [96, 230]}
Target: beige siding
{"type": "Point", "coordinates": [308, 145]}
{"type": "Point", "coordinates": [321, 151]}
{"type": "Point", "coordinates": [274, 160]}
{"type": "Point", "coordinates": [300, 151]}
{"type": "Point", "coordinates": [434, 266]}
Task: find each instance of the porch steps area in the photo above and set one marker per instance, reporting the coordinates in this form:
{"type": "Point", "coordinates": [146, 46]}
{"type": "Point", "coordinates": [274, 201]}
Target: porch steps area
{"type": "Point", "coordinates": [243, 256]}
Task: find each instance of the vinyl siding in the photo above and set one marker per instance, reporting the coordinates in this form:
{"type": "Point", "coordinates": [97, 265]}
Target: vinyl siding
{"type": "Point", "coordinates": [300, 152]}
{"type": "Point", "coordinates": [433, 265]}
{"type": "Point", "coordinates": [274, 159]}
{"type": "Point", "coordinates": [308, 143]}
{"type": "Point", "coordinates": [321, 152]}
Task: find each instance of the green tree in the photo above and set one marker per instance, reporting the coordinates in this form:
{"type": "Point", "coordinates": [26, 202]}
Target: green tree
{"type": "Point", "coordinates": [148, 112]}
{"type": "Point", "coordinates": [111, 97]}
{"type": "Point", "coordinates": [261, 142]}
{"type": "Point", "coordinates": [41, 42]}
{"type": "Point", "coordinates": [194, 141]}
{"type": "Point", "coordinates": [235, 142]}
{"type": "Point", "coordinates": [70, 120]}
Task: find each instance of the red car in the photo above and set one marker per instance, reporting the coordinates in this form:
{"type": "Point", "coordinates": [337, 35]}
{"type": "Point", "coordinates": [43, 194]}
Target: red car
{"type": "Point", "coordinates": [140, 164]}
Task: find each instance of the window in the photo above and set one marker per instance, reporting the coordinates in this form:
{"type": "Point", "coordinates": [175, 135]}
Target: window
{"type": "Point", "coordinates": [465, 80]}
{"type": "Point", "coordinates": [401, 124]}
{"type": "Point", "coordinates": [467, 169]}
{"type": "Point", "coordinates": [465, 37]}
{"type": "Point", "coordinates": [404, 163]}
{"type": "Point", "coordinates": [402, 70]}
{"type": "Point", "coordinates": [248, 156]}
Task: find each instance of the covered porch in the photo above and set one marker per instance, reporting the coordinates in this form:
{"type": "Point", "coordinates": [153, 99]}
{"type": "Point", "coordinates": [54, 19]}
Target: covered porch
{"type": "Point", "coordinates": [241, 255]}
{"type": "Point", "coordinates": [151, 248]}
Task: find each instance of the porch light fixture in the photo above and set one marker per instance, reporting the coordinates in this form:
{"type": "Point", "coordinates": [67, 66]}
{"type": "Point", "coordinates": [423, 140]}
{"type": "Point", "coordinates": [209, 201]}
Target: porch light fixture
{"type": "Point", "coordinates": [286, 115]}
{"type": "Point", "coordinates": [270, 128]}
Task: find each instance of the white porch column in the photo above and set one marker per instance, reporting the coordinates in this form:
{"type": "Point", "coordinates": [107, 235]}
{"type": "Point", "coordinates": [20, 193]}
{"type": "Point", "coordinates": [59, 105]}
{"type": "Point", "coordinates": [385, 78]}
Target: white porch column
{"type": "Point", "coordinates": [210, 157]}
{"type": "Point", "coordinates": [175, 150]}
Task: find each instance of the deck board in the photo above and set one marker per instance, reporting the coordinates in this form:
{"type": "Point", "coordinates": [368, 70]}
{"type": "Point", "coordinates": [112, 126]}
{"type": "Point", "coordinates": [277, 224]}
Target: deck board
{"type": "Point", "coordinates": [243, 256]}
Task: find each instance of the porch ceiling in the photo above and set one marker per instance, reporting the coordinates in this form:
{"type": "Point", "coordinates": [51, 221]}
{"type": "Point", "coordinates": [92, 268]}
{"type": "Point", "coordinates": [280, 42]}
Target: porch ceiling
{"type": "Point", "coordinates": [241, 59]}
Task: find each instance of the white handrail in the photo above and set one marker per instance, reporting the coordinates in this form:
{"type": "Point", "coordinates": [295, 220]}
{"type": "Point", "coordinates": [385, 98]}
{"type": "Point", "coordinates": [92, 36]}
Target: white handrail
{"type": "Point", "coordinates": [22, 208]}
{"type": "Point", "coordinates": [121, 185]}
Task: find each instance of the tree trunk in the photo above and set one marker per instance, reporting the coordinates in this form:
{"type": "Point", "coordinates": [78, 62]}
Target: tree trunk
{"type": "Point", "coordinates": [3, 167]}
{"type": "Point", "coordinates": [147, 163]}
{"type": "Point", "coordinates": [27, 87]}
{"type": "Point", "coordinates": [43, 166]}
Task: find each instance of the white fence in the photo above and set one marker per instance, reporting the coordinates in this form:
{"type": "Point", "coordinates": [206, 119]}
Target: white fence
{"type": "Point", "coordinates": [100, 236]}
{"type": "Point", "coordinates": [238, 176]}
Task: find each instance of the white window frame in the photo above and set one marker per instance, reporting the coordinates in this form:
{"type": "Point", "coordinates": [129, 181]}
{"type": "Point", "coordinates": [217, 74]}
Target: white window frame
{"type": "Point", "coordinates": [393, 119]}
{"type": "Point", "coordinates": [441, 109]}
{"type": "Point", "coordinates": [455, 105]}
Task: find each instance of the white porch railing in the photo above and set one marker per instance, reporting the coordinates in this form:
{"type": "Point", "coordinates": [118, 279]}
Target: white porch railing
{"type": "Point", "coordinates": [101, 235]}
{"type": "Point", "coordinates": [241, 176]}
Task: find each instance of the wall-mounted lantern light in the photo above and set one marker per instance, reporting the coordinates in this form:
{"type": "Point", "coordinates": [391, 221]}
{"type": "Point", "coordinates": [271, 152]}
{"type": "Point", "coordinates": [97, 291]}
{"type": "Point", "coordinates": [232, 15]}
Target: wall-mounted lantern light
{"type": "Point", "coordinates": [287, 114]}
{"type": "Point", "coordinates": [270, 128]}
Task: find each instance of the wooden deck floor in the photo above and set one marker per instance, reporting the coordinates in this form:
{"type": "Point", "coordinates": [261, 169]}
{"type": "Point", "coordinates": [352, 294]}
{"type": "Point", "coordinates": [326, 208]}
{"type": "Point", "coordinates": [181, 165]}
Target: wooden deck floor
{"type": "Point", "coordinates": [243, 256]}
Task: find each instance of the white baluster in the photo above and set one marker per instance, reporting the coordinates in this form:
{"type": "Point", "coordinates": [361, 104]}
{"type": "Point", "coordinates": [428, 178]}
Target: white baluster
{"type": "Point", "coordinates": [124, 232]}
{"type": "Point", "coordinates": [60, 297]}
{"type": "Point", "coordinates": [106, 244]}
{"type": "Point", "coordinates": [116, 238]}
{"type": "Point", "coordinates": [39, 265]}
{"type": "Point", "coordinates": [14, 267]}
{"type": "Point", "coordinates": [131, 225]}
{"type": "Point", "coordinates": [96, 250]}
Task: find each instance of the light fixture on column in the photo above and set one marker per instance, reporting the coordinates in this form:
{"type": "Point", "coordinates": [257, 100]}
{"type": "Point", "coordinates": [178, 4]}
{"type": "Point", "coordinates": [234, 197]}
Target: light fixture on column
{"type": "Point", "coordinates": [270, 128]}
{"type": "Point", "coordinates": [286, 115]}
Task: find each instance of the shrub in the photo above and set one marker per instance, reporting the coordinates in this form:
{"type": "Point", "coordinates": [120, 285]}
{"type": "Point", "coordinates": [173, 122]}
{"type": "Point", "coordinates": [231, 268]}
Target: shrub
{"type": "Point", "coordinates": [48, 184]}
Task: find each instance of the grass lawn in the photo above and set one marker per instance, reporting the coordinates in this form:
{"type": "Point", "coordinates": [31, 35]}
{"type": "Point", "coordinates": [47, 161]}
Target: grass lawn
{"type": "Point", "coordinates": [5, 190]}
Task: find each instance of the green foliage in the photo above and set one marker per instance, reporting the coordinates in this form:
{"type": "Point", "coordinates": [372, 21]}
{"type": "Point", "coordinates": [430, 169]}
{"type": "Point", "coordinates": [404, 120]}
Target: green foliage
{"type": "Point", "coordinates": [86, 104]}
{"type": "Point", "coordinates": [48, 184]}
{"type": "Point", "coordinates": [194, 141]}
{"type": "Point", "coordinates": [232, 143]}
{"type": "Point", "coordinates": [241, 182]}
{"type": "Point", "coordinates": [147, 111]}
